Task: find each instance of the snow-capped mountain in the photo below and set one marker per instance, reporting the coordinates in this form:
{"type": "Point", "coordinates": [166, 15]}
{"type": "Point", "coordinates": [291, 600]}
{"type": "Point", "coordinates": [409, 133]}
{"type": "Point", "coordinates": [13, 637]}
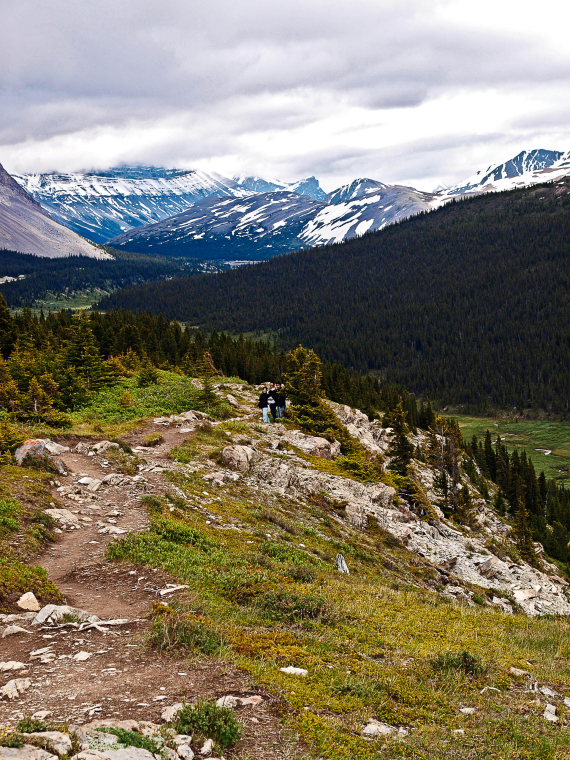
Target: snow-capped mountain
{"type": "Point", "coordinates": [26, 227]}
{"type": "Point", "coordinates": [267, 224]}
{"type": "Point", "coordinates": [254, 227]}
{"type": "Point", "coordinates": [103, 204]}
{"type": "Point", "coordinates": [529, 167]}
{"type": "Point", "coordinates": [309, 186]}
{"type": "Point", "coordinates": [365, 206]}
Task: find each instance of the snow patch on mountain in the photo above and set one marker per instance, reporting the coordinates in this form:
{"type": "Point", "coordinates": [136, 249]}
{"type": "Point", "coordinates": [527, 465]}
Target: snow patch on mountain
{"type": "Point", "coordinates": [529, 167]}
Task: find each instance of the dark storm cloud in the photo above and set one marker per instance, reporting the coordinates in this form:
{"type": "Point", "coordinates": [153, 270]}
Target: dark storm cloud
{"type": "Point", "coordinates": [242, 68]}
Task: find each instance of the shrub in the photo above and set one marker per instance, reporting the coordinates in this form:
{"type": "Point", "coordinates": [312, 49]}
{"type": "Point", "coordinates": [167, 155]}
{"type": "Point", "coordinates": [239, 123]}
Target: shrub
{"type": "Point", "coordinates": [132, 739]}
{"type": "Point", "coordinates": [11, 739]}
{"type": "Point", "coordinates": [302, 574]}
{"type": "Point", "coordinates": [10, 437]}
{"type": "Point", "coordinates": [283, 605]}
{"type": "Point", "coordinates": [154, 439]}
{"type": "Point", "coordinates": [464, 662]}
{"type": "Point", "coordinates": [30, 725]}
{"type": "Point", "coordinates": [17, 577]}
{"type": "Point", "coordinates": [209, 720]}
{"type": "Point", "coordinates": [180, 533]}
{"type": "Point", "coordinates": [172, 630]}
{"type": "Point", "coordinates": [9, 514]}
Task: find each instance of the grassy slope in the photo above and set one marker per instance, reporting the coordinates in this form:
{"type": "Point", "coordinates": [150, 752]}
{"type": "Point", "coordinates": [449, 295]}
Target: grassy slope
{"type": "Point", "coordinates": [368, 639]}
{"type": "Point", "coordinates": [528, 435]}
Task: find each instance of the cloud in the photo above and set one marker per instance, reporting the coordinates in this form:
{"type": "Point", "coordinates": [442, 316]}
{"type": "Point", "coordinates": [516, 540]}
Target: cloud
{"type": "Point", "coordinates": [342, 88]}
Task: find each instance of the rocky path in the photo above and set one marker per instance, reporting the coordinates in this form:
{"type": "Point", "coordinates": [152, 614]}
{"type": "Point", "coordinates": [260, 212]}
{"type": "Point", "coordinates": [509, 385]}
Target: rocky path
{"type": "Point", "coordinates": [108, 671]}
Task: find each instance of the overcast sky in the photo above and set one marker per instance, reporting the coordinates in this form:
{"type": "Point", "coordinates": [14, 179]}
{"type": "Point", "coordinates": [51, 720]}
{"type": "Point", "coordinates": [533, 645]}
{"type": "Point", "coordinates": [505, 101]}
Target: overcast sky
{"type": "Point", "coordinates": [420, 92]}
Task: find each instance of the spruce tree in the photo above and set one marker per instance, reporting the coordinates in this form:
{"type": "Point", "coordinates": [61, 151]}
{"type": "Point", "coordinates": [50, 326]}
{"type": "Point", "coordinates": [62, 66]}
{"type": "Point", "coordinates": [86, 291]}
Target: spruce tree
{"type": "Point", "coordinates": [401, 448]}
{"type": "Point", "coordinates": [522, 535]}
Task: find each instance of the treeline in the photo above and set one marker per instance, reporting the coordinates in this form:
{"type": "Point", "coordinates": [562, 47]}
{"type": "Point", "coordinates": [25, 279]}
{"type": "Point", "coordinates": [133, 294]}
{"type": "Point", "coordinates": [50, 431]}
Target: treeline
{"type": "Point", "coordinates": [50, 364]}
{"type": "Point", "coordinates": [465, 305]}
{"type": "Point", "coordinates": [531, 500]}
{"type": "Point", "coordinates": [68, 275]}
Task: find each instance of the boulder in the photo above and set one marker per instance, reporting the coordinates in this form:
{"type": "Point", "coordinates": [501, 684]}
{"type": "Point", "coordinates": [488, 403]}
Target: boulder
{"type": "Point", "coordinates": [550, 713]}
{"type": "Point", "coordinates": [232, 400]}
{"type": "Point", "coordinates": [170, 712]}
{"type": "Point", "coordinates": [127, 753]}
{"type": "Point", "coordinates": [102, 446]}
{"type": "Point", "coordinates": [28, 602]}
{"type": "Point", "coordinates": [27, 752]}
{"type": "Point", "coordinates": [56, 741]}
{"type": "Point", "coordinates": [492, 567]}
{"type": "Point", "coordinates": [33, 448]}
{"type": "Point", "coordinates": [185, 752]}
{"type": "Point", "coordinates": [64, 517]}
{"type": "Point", "coordinates": [54, 613]}
{"type": "Point", "coordinates": [15, 688]}
{"type": "Point", "coordinates": [238, 457]}
{"type": "Point", "coordinates": [341, 565]}
{"type": "Point", "coordinates": [55, 448]}
{"type": "Point", "coordinates": [12, 665]}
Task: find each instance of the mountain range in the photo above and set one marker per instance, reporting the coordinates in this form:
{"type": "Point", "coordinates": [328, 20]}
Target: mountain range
{"type": "Point", "coordinates": [26, 227]}
{"type": "Point", "coordinates": [195, 214]}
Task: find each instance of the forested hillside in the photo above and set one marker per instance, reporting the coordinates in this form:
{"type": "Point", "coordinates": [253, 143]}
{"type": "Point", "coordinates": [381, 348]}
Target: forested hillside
{"type": "Point", "coordinates": [467, 305]}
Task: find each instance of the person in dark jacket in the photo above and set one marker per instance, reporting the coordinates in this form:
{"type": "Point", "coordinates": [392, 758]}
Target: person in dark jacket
{"type": "Point", "coordinates": [272, 393]}
{"type": "Point", "coordinates": [264, 403]}
{"type": "Point", "coordinates": [281, 400]}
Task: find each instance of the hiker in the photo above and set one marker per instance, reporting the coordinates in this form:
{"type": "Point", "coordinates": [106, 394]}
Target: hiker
{"type": "Point", "coordinates": [273, 401]}
{"type": "Point", "coordinates": [281, 400]}
{"type": "Point", "coordinates": [264, 403]}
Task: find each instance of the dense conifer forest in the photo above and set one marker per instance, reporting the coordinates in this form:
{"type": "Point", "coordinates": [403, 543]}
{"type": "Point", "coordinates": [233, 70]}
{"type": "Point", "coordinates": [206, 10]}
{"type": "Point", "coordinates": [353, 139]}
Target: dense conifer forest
{"type": "Point", "coordinates": [68, 275]}
{"type": "Point", "coordinates": [465, 305]}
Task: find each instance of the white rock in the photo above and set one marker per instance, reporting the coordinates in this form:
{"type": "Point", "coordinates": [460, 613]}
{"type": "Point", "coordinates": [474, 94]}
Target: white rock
{"type": "Point", "coordinates": [15, 688]}
{"type": "Point", "coordinates": [376, 728]}
{"type": "Point", "coordinates": [207, 748]}
{"type": "Point", "coordinates": [95, 485]}
{"type": "Point", "coordinates": [103, 446]}
{"type": "Point", "coordinates": [518, 672]}
{"type": "Point", "coordinates": [547, 691]}
{"type": "Point", "coordinates": [28, 602]}
{"type": "Point", "coordinates": [11, 665]}
{"type": "Point", "coordinates": [232, 400]}
{"type": "Point", "coordinates": [341, 565]}
{"type": "Point", "coordinates": [64, 517]}
{"type": "Point", "coordinates": [12, 630]}
{"type": "Point", "coordinates": [27, 752]}
{"type": "Point", "coordinates": [170, 712]}
{"type": "Point", "coordinates": [42, 714]}
{"type": "Point", "coordinates": [292, 671]}
{"type": "Point", "coordinates": [127, 753]}
{"type": "Point", "coordinates": [55, 448]}
{"type": "Point", "coordinates": [467, 710]}
{"type": "Point", "coordinates": [57, 741]}
{"type": "Point", "coordinates": [54, 613]}
{"type": "Point", "coordinates": [238, 457]}
{"type": "Point", "coordinates": [82, 656]}
{"type": "Point", "coordinates": [185, 752]}
{"type": "Point", "coordinates": [550, 713]}
{"type": "Point", "coordinates": [180, 739]}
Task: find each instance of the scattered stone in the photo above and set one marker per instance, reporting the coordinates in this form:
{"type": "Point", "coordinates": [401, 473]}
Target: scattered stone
{"type": "Point", "coordinates": [232, 400]}
{"type": "Point", "coordinates": [11, 666]}
{"type": "Point", "coordinates": [492, 567]}
{"type": "Point", "coordinates": [341, 565]}
{"type": "Point", "coordinates": [64, 517]}
{"type": "Point", "coordinates": [230, 700]}
{"type": "Point", "coordinates": [28, 602]}
{"type": "Point", "coordinates": [518, 672]}
{"type": "Point", "coordinates": [171, 589]}
{"type": "Point", "coordinates": [548, 692]}
{"type": "Point", "coordinates": [170, 712]}
{"type": "Point", "coordinates": [15, 688]}
{"type": "Point", "coordinates": [550, 713]}
{"type": "Point", "coordinates": [56, 741]}
{"type": "Point", "coordinates": [82, 656]}
{"type": "Point", "coordinates": [103, 446]}
{"type": "Point", "coordinates": [42, 714]}
{"type": "Point", "coordinates": [290, 670]}
{"type": "Point", "coordinates": [55, 448]}
{"type": "Point", "coordinates": [185, 752]}
{"type": "Point", "coordinates": [467, 710]}
{"type": "Point", "coordinates": [127, 753]}
{"type": "Point", "coordinates": [207, 748]}
{"type": "Point", "coordinates": [12, 630]}
{"type": "Point", "coordinates": [112, 530]}
{"type": "Point", "coordinates": [375, 728]}
{"type": "Point", "coordinates": [54, 613]}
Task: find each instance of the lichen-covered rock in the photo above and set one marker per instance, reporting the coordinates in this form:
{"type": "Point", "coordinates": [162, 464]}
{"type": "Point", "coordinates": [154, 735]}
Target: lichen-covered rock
{"type": "Point", "coordinates": [238, 457]}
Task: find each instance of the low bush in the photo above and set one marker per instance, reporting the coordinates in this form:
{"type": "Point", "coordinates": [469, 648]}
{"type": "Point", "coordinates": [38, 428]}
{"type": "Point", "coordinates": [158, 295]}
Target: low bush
{"type": "Point", "coordinates": [179, 532]}
{"type": "Point", "coordinates": [132, 739]}
{"type": "Point", "coordinates": [463, 662]}
{"type": "Point", "coordinates": [283, 605]}
{"type": "Point", "coordinates": [172, 629]}
{"type": "Point", "coordinates": [209, 720]}
{"type": "Point", "coordinates": [154, 439]}
{"type": "Point", "coordinates": [9, 515]}
{"type": "Point", "coordinates": [16, 578]}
